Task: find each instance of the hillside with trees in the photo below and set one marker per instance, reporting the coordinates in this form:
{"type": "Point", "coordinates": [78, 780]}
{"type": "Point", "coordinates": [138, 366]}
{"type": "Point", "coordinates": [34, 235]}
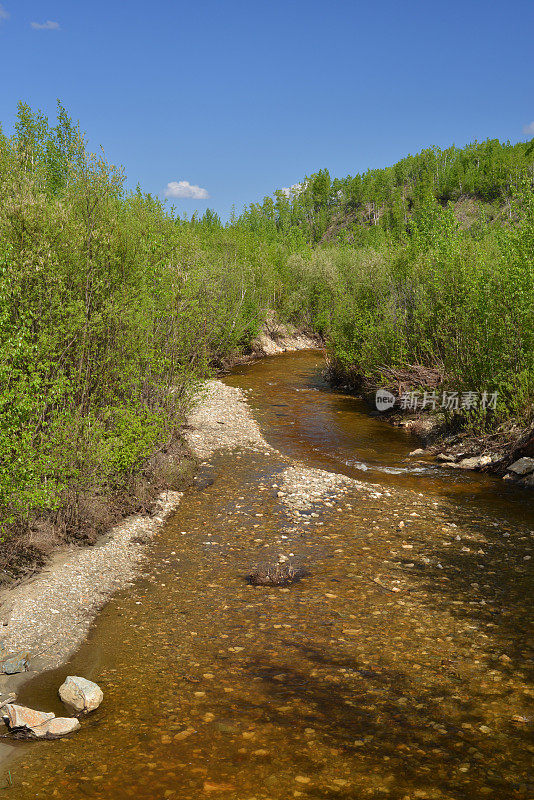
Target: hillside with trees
{"type": "Point", "coordinates": [478, 180]}
{"type": "Point", "coordinates": [424, 267]}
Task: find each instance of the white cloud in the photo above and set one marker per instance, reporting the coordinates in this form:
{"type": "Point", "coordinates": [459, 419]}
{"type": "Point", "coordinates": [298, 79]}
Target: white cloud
{"type": "Point", "coordinates": [3, 13]}
{"type": "Point", "coordinates": [529, 129]}
{"type": "Point", "coordinates": [49, 25]}
{"type": "Point", "coordinates": [177, 189]}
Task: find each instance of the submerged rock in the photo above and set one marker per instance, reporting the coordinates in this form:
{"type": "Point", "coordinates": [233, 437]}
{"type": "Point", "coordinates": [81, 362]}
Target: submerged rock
{"type": "Point", "coordinates": [81, 694]}
{"type": "Point", "coordinates": [60, 726]}
{"type": "Point", "coordinates": [280, 574]}
{"type": "Point", "coordinates": [26, 723]}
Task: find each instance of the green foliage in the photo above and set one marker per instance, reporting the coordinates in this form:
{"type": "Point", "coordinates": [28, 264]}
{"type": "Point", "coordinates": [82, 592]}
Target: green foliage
{"type": "Point", "coordinates": [388, 199]}
{"type": "Point", "coordinates": [112, 309]}
{"type": "Point", "coordinates": [440, 299]}
{"type": "Point", "coordinates": [427, 262]}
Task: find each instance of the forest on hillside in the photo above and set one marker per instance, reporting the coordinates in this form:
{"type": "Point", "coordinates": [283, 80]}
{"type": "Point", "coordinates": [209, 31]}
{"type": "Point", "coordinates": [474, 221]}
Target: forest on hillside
{"type": "Point", "coordinates": [359, 208]}
{"type": "Point", "coordinates": [113, 308]}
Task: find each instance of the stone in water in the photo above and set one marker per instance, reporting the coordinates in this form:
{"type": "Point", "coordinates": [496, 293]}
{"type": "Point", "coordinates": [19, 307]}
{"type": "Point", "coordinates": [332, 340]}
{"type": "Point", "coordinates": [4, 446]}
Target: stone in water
{"type": "Point", "coordinates": [31, 724]}
{"type": "Point", "coordinates": [81, 694]}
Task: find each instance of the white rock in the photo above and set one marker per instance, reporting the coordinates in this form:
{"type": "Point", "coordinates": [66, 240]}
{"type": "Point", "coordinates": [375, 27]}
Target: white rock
{"type": "Point", "coordinates": [475, 463]}
{"type": "Point", "coordinates": [33, 724]}
{"type": "Point", "coordinates": [81, 694]}
{"type": "Point", "coordinates": [59, 726]}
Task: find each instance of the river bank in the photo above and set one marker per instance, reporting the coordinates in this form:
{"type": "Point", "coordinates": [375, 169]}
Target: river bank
{"type": "Point", "coordinates": [495, 452]}
{"type": "Point", "coordinates": [45, 616]}
{"type": "Point", "coordinates": [397, 667]}
{"type": "Point", "coordinates": [507, 453]}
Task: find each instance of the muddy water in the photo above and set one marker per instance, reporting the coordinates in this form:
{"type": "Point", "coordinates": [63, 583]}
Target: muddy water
{"type": "Point", "coordinates": [399, 668]}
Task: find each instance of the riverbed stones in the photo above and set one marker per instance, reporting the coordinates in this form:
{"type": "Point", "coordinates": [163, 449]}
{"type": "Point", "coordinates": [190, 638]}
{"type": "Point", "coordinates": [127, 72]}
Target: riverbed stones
{"type": "Point", "coordinates": [305, 490]}
{"type": "Point", "coordinates": [80, 694]}
{"type": "Point", "coordinates": [222, 420]}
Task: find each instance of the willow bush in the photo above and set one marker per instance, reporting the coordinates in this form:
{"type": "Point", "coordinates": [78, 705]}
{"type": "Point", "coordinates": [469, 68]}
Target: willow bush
{"type": "Point", "coordinates": [111, 310]}
{"type": "Point", "coordinates": [441, 298]}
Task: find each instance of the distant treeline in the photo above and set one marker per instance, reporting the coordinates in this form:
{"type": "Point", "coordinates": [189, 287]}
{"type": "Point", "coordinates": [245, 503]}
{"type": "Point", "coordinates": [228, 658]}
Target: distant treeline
{"type": "Point", "coordinates": [388, 198]}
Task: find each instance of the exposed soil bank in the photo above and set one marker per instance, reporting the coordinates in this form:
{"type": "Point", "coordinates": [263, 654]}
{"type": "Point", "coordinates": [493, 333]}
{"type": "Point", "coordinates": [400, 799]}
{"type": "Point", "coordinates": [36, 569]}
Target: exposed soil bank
{"type": "Point", "coordinates": [274, 339]}
{"type": "Point", "coordinates": [493, 453]}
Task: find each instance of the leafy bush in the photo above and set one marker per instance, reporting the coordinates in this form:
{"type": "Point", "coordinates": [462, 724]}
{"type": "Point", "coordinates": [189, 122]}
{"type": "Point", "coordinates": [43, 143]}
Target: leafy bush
{"type": "Point", "coordinates": [112, 309]}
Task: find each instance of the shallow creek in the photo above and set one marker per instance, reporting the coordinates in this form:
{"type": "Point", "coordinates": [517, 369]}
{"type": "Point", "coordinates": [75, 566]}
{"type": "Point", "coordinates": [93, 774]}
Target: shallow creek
{"type": "Point", "coordinates": [399, 668]}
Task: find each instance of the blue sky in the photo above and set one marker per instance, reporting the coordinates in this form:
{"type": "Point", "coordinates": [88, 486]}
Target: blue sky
{"type": "Point", "coordinates": [240, 98]}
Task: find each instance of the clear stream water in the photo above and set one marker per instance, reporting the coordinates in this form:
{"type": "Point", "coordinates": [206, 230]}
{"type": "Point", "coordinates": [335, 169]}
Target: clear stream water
{"type": "Point", "coordinates": [338, 687]}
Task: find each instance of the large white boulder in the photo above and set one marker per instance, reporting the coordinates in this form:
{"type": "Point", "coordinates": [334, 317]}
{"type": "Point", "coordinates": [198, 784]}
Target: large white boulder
{"type": "Point", "coordinates": [80, 694]}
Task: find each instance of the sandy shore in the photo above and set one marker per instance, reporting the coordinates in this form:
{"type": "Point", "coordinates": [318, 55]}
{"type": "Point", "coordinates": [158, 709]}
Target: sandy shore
{"type": "Point", "coordinates": [48, 616]}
